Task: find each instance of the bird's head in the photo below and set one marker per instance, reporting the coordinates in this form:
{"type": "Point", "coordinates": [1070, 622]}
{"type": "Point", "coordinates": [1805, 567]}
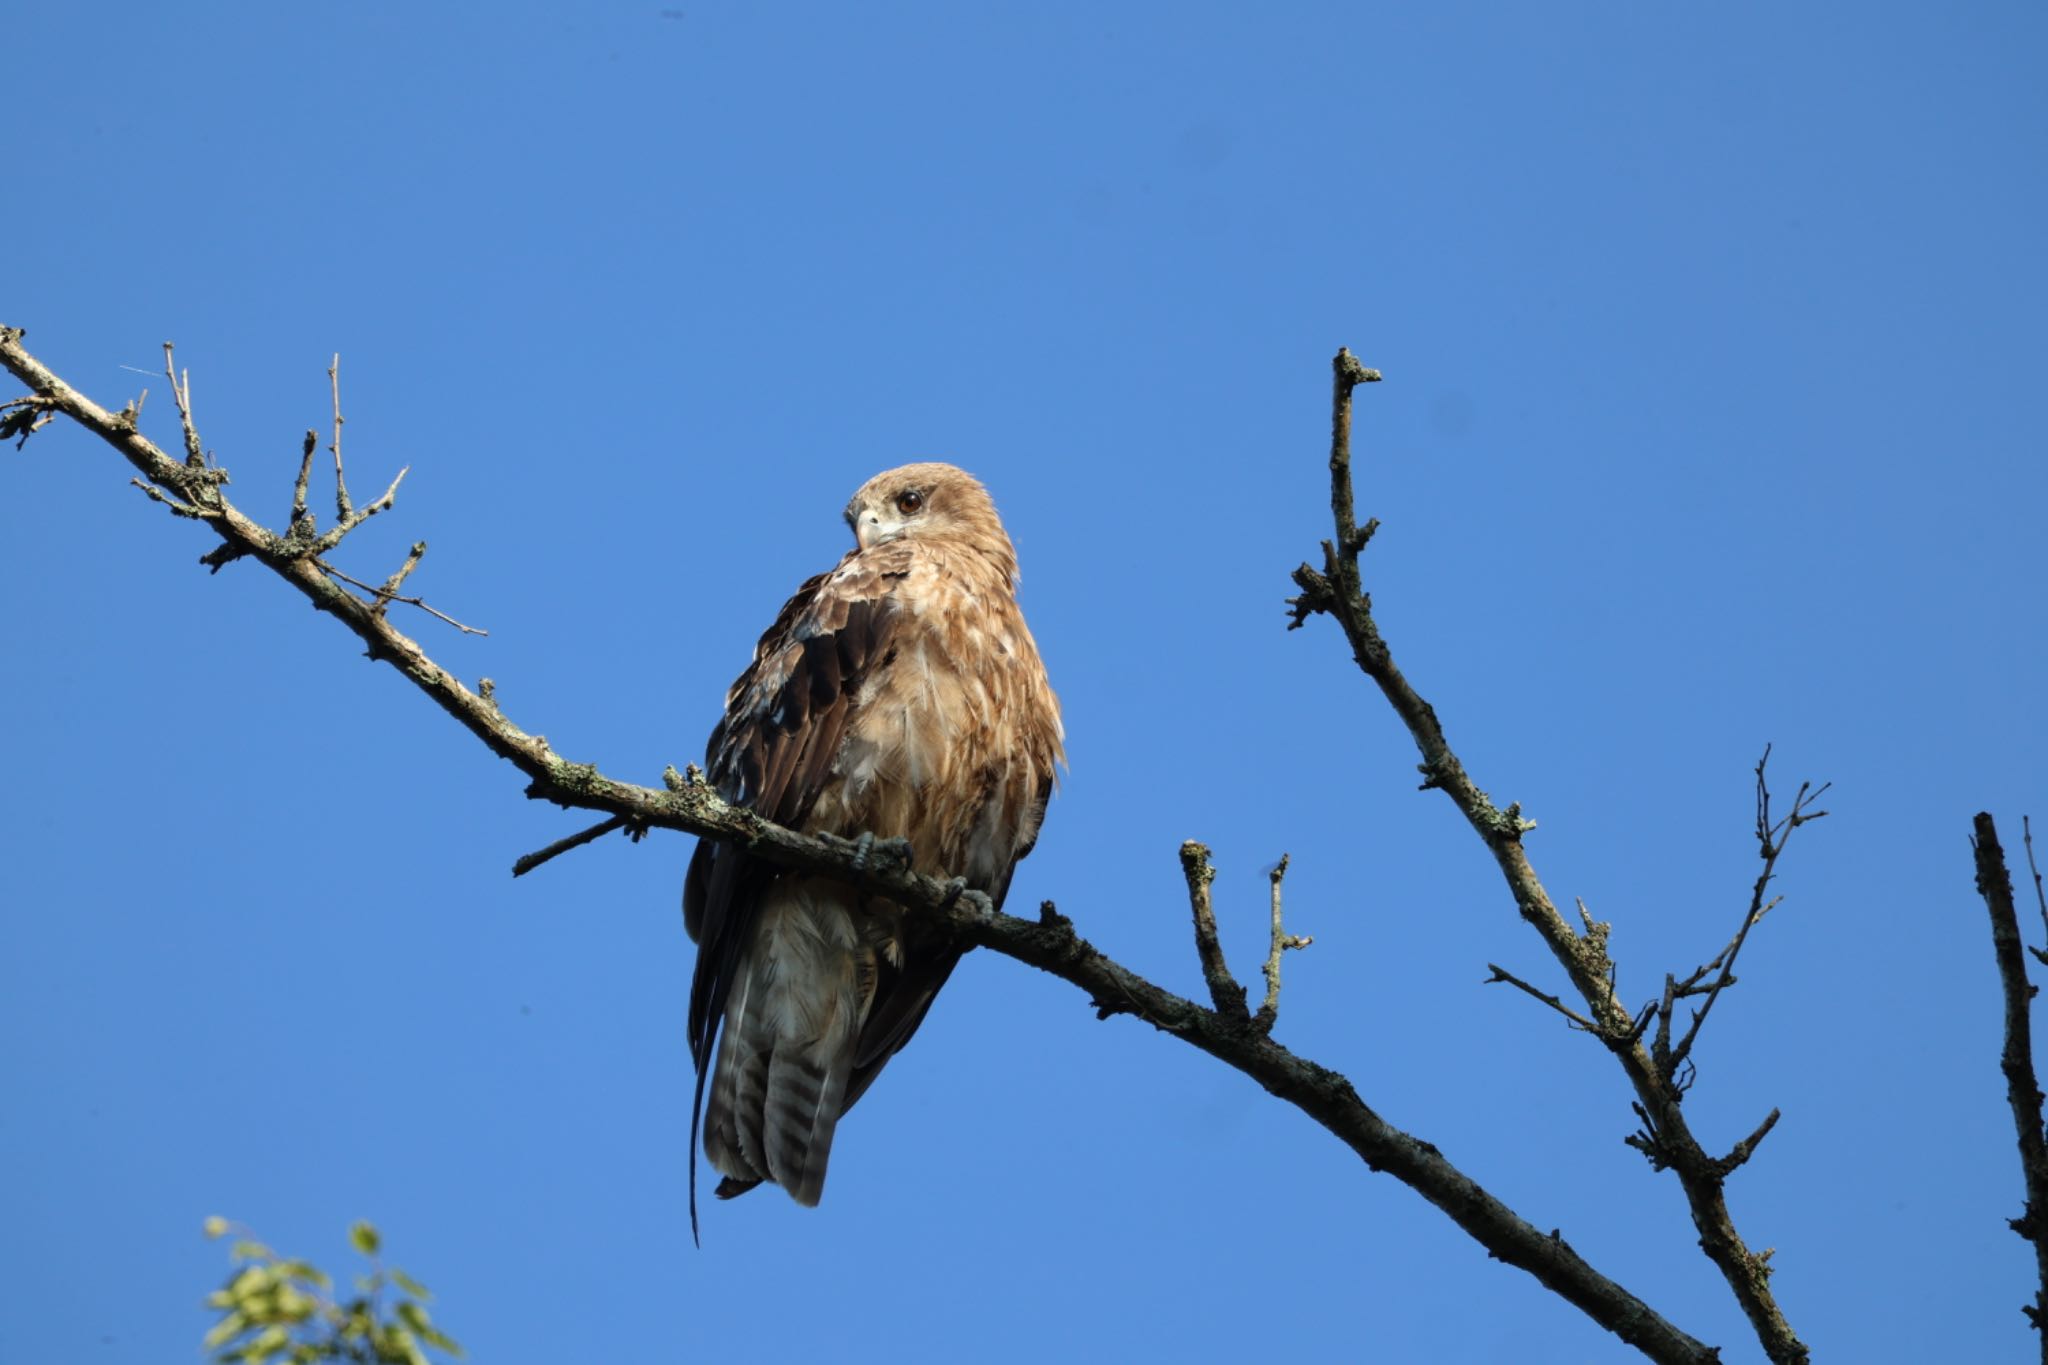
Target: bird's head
{"type": "Point", "coordinates": [929, 502]}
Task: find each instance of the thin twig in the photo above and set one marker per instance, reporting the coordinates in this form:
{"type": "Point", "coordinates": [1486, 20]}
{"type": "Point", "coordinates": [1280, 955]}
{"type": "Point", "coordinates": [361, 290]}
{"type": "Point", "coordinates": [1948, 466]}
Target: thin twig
{"type": "Point", "coordinates": [351, 520]}
{"type": "Point", "coordinates": [181, 393]}
{"type": "Point", "coordinates": [342, 506]}
{"type": "Point", "coordinates": [389, 592]}
{"type": "Point", "coordinates": [2027, 838]}
{"type": "Point", "coordinates": [2016, 1058]}
{"type": "Point", "coordinates": [1269, 1012]}
{"type": "Point", "coordinates": [561, 846]}
{"type": "Point", "coordinates": [1501, 976]}
{"type": "Point", "coordinates": [177, 505]}
{"type": "Point", "coordinates": [1224, 990]}
{"type": "Point", "coordinates": [1771, 841]}
{"type": "Point", "coordinates": [383, 596]}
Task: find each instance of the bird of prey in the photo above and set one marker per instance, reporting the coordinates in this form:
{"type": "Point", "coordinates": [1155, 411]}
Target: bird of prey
{"type": "Point", "coordinates": [898, 696]}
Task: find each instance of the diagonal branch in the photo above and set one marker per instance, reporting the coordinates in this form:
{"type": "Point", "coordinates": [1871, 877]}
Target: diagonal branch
{"type": "Point", "coordinates": [577, 840]}
{"type": "Point", "coordinates": [1502, 977]}
{"type": "Point", "coordinates": [2016, 1058]}
{"type": "Point", "coordinates": [1336, 590]}
{"type": "Point", "coordinates": [386, 595]}
{"type": "Point", "coordinates": [688, 805]}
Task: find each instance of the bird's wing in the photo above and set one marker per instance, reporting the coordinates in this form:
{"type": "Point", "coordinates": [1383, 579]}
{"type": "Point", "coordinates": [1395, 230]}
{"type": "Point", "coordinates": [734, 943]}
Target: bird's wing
{"type": "Point", "coordinates": [774, 752]}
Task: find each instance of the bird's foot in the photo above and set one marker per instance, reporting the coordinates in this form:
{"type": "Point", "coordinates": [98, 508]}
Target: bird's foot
{"type": "Point", "coordinates": [954, 890]}
{"type": "Point", "coordinates": [896, 850]}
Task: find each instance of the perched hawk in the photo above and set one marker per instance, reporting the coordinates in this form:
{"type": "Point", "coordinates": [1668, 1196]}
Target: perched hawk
{"type": "Point", "coordinates": [899, 696]}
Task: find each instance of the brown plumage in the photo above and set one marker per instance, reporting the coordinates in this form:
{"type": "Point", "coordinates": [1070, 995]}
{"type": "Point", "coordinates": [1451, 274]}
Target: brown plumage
{"type": "Point", "coordinates": [899, 695]}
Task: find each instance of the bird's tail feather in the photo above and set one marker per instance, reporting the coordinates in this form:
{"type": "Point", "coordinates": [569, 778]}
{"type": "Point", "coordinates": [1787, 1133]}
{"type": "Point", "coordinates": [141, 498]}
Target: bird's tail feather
{"type": "Point", "coordinates": [790, 1028]}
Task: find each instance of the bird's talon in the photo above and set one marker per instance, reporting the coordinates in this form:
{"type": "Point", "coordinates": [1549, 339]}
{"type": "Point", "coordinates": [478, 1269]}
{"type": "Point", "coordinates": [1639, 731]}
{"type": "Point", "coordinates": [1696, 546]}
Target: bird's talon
{"type": "Point", "coordinates": [954, 890]}
{"type": "Point", "coordinates": [865, 846]}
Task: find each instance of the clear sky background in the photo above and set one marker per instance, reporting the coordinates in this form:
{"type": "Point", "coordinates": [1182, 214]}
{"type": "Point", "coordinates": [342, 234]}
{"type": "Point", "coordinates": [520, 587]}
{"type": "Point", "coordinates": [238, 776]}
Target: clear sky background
{"type": "Point", "coordinates": [1714, 343]}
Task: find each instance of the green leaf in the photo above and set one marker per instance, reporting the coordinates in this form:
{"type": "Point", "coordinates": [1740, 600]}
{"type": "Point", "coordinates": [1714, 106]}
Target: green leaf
{"type": "Point", "coordinates": [249, 1280]}
{"type": "Point", "coordinates": [410, 1285]}
{"type": "Point", "coordinates": [434, 1336]}
{"type": "Point", "coordinates": [215, 1226]}
{"type": "Point", "coordinates": [303, 1271]}
{"type": "Point", "coordinates": [365, 1237]}
{"type": "Point", "coordinates": [294, 1305]}
{"type": "Point", "coordinates": [269, 1342]}
{"type": "Point", "coordinates": [225, 1328]}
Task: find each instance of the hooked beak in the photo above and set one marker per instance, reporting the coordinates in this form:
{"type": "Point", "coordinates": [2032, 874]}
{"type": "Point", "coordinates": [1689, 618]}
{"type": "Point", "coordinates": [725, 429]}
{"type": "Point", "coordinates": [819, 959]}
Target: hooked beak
{"type": "Point", "coordinates": [872, 528]}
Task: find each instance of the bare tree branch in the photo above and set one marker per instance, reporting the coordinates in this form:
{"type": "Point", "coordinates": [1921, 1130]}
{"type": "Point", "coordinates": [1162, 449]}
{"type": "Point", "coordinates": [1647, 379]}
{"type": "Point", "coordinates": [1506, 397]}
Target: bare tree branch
{"type": "Point", "coordinates": [181, 393]}
{"type": "Point", "coordinates": [1336, 590]}
{"type": "Point", "coordinates": [351, 520]}
{"type": "Point", "coordinates": [1224, 990]}
{"type": "Point", "coordinates": [1771, 840]}
{"type": "Point", "coordinates": [22, 418]}
{"type": "Point", "coordinates": [577, 840]}
{"type": "Point", "coordinates": [686, 804]}
{"type": "Point", "coordinates": [2016, 1058]}
{"type": "Point", "coordinates": [2040, 896]}
{"type": "Point", "coordinates": [1503, 977]}
{"type": "Point", "coordinates": [1269, 1012]}
{"type": "Point", "coordinates": [342, 508]}
{"type": "Point", "coordinates": [388, 594]}
{"type": "Point", "coordinates": [1743, 1150]}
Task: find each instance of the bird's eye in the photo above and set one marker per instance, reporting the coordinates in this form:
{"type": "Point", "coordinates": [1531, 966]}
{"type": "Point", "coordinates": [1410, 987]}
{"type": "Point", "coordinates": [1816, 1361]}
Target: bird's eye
{"type": "Point", "coordinates": [909, 502]}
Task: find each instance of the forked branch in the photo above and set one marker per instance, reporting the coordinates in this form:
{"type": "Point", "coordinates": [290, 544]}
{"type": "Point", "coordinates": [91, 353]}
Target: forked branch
{"type": "Point", "coordinates": [1772, 836]}
{"type": "Point", "coordinates": [1336, 590]}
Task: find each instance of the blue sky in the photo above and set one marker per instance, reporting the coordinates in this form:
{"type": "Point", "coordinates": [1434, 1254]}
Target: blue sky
{"type": "Point", "coordinates": [1713, 341]}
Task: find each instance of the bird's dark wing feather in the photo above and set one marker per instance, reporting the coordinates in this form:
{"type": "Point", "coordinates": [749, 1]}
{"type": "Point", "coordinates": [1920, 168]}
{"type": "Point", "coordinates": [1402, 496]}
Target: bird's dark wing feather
{"type": "Point", "coordinates": [774, 752]}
